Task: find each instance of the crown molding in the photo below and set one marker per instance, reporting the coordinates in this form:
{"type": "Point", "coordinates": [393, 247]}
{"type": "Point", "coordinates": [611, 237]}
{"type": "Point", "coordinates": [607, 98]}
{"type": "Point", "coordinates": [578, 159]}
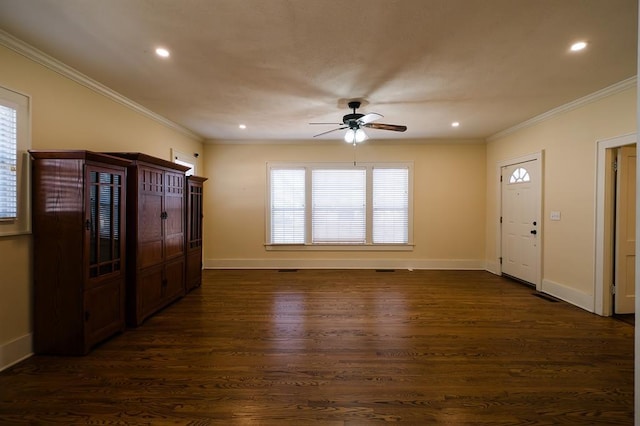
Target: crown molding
{"type": "Point", "coordinates": [603, 93]}
{"type": "Point", "coordinates": [53, 64]}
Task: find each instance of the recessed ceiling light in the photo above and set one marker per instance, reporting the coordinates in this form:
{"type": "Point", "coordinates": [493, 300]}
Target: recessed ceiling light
{"type": "Point", "coordinates": [162, 52]}
{"type": "Point", "coordinates": [242, 126]}
{"type": "Point", "coordinates": [455, 124]}
{"type": "Point", "coordinates": [578, 46]}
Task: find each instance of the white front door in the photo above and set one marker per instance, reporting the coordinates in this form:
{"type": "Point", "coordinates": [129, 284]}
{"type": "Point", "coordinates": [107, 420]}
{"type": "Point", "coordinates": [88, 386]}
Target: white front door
{"type": "Point", "coordinates": [625, 251]}
{"type": "Point", "coordinates": [521, 228]}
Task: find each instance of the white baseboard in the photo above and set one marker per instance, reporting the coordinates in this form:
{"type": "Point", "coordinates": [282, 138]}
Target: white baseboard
{"type": "Point", "coordinates": [568, 294]}
{"type": "Point", "coordinates": [491, 267]}
{"type": "Point", "coordinates": [448, 264]}
{"type": "Point", "coordinates": [15, 351]}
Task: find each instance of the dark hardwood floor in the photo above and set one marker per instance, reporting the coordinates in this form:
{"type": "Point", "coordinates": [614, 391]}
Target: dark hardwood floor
{"type": "Point", "coordinates": [342, 348]}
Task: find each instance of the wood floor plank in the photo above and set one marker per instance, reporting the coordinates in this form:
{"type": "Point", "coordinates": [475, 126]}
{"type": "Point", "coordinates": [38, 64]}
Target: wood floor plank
{"type": "Point", "coordinates": [342, 348]}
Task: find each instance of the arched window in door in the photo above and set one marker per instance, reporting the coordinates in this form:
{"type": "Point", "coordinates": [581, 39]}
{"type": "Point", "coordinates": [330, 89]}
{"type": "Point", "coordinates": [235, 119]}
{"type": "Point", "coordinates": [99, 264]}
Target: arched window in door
{"type": "Point", "coordinates": [520, 175]}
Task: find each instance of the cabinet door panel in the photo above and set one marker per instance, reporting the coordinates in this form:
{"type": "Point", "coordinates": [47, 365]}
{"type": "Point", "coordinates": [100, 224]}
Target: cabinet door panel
{"type": "Point", "coordinates": [174, 223]}
{"type": "Point", "coordinates": [150, 211]}
{"type": "Point", "coordinates": [174, 246]}
{"type": "Point", "coordinates": [150, 230]}
{"type": "Point", "coordinates": [194, 269]}
{"type": "Point", "coordinates": [149, 253]}
{"type": "Point", "coordinates": [104, 311]}
{"type": "Point", "coordinates": [103, 224]}
{"type": "Point", "coordinates": [175, 279]}
{"type": "Point", "coordinates": [150, 292]}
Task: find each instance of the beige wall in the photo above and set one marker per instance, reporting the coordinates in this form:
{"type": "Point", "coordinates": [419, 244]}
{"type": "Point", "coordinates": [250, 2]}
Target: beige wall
{"type": "Point", "coordinates": [568, 141]}
{"type": "Point", "coordinates": [449, 205]}
{"type": "Point", "coordinates": [65, 115]}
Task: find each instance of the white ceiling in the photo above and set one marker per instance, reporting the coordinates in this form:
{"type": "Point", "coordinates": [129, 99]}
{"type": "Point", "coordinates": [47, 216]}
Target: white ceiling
{"type": "Point", "coordinates": [276, 65]}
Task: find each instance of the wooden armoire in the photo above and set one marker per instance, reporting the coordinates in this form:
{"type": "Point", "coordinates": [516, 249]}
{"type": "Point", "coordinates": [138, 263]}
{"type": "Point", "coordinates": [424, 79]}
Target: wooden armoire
{"type": "Point", "coordinates": [78, 212]}
{"type": "Point", "coordinates": [155, 234]}
{"type": "Point", "coordinates": [194, 231]}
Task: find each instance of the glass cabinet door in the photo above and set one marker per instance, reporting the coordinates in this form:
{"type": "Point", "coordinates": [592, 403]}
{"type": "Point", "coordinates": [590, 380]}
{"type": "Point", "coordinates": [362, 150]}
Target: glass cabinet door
{"type": "Point", "coordinates": [195, 216]}
{"type": "Point", "coordinates": [104, 221]}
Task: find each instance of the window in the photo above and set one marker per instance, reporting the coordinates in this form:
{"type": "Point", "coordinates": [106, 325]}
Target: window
{"type": "Point", "coordinates": [390, 205]}
{"type": "Point", "coordinates": [14, 163]}
{"type": "Point", "coordinates": [287, 206]}
{"type": "Point", "coordinates": [520, 175]}
{"type": "Point", "coordinates": [8, 162]}
{"type": "Point", "coordinates": [339, 206]}
{"type": "Point", "coordinates": [186, 160]}
{"type": "Point", "coordinates": [323, 205]}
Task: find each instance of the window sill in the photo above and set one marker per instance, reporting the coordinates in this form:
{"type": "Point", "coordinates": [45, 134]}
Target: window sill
{"type": "Point", "coordinates": [339, 247]}
{"type": "Point", "coordinates": [13, 233]}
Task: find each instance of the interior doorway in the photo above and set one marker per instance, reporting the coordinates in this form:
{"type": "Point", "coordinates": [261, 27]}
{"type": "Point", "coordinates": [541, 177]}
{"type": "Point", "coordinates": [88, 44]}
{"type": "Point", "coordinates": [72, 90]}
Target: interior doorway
{"type": "Point", "coordinates": [615, 226]}
{"type": "Point", "coordinates": [624, 234]}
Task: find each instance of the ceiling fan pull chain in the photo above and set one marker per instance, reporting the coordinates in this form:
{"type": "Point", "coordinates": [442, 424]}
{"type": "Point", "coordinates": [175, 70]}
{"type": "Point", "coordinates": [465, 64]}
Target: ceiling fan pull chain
{"type": "Point", "coordinates": [354, 154]}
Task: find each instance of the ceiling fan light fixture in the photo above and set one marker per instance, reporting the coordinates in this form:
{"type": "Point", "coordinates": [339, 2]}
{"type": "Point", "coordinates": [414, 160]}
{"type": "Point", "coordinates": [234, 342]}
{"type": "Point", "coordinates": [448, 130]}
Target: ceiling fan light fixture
{"type": "Point", "coordinates": [350, 136]}
{"type": "Point", "coordinates": [355, 136]}
{"type": "Point", "coordinates": [360, 136]}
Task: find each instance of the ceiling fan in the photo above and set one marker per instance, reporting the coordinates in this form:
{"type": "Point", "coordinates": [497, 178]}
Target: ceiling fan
{"type": "Point", "coordinates": [355, 122]}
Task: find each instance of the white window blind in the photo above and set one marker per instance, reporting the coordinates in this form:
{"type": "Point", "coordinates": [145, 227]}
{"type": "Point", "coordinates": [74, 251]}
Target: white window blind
{"type": "Point", "coordinates": [390, 205]}
{"type": "Point", "coordinates": [8, 163]}
{"type": "Point", "coordinates": [339, 206]}
{"type": "Point", "coordinates": [287, 206]}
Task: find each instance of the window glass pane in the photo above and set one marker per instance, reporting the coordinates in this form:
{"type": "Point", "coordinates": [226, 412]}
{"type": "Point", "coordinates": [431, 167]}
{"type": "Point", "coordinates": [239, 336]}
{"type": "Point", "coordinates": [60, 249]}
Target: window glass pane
{"type": "Point", "coordinates": [390, 205]}
{"type": "Point", "coordinates": [105, 222]}
{"type": "Point", "coordinates": [520, 175]}
{"type": "Point", "coordinates": [287, 206]}
{"type": "Point", "coordinates": [8, 163]}
{"type": "Point", "coordinates": [116, 216]}
{"type": "Point", "coordinates": [93, 209]}
{"type": "Point", "coordinates": [339, 206]}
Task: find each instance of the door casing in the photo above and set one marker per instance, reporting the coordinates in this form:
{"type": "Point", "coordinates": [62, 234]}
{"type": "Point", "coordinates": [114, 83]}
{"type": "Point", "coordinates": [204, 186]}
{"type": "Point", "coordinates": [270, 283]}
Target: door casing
{"type": "Point", "coordinates": [603, 233]}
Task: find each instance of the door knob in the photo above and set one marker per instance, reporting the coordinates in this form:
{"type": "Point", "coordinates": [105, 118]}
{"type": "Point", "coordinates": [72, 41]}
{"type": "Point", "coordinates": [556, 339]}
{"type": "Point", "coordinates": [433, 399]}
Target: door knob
{"type": "Point", "coordinates": [534, 232]}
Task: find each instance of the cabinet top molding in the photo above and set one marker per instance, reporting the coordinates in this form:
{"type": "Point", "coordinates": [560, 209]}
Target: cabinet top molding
{"type": "Point", "coordinates": [60, 154]}
{"type": "Point", "coordinates": [139, 156]}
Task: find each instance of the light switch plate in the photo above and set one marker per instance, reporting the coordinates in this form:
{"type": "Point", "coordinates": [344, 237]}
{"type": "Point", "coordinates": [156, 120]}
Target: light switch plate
{"type": "Point", "coordinates": [555, 215]}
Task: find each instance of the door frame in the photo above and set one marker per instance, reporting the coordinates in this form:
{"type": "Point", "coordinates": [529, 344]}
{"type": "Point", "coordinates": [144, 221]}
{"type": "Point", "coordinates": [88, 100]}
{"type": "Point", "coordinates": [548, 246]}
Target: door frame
{"type": "Point", "coordinates": [603, 237]}
{"type": "Point", "coordinates": [538, 157]}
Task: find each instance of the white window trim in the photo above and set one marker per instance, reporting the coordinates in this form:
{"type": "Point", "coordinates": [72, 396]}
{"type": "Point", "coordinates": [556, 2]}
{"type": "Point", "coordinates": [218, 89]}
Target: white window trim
{"type": "Point", "coordinates": [22, 224]}
{"type": "Point", "coordinates": [308, 246]}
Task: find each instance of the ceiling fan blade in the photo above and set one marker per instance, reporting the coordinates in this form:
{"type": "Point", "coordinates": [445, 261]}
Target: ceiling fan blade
{"type": "Point", "coordinates": [381, 126]}
{"type": "Point", "coordinates": [368, 118]}
{"type": "Point", "coordinates": [333, 124]}
{"type": "Point", "coordinates": [329, 131]}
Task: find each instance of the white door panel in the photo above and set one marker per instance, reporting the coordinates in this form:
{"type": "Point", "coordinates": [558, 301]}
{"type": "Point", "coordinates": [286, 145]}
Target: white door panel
{"type": "Point", "coordinates": [520, 224]}
{"type": "Point", "coordinates": [625, 270]}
